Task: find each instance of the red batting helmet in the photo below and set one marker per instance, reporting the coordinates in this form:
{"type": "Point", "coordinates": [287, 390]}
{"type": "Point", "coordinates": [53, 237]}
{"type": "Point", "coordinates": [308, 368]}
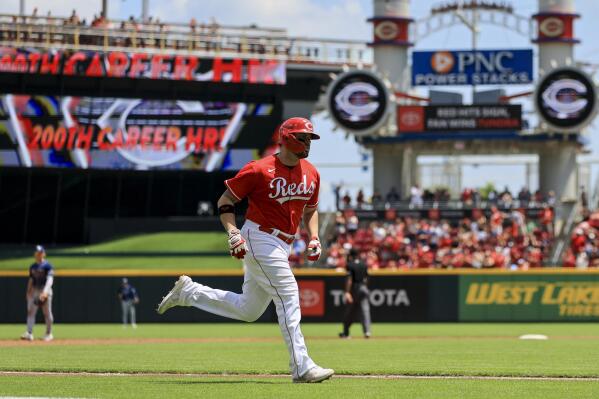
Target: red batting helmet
{"type": "Point", "coordinates": [292, 126]}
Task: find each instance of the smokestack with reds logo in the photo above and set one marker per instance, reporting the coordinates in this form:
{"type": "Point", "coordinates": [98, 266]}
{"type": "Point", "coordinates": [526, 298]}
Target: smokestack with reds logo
{"type": "Point", "coordinates": [555, 34]}
{"type": "Point", "coordinates": [390, 43]}
{"type": "Point", "coordinates": [555, 40]}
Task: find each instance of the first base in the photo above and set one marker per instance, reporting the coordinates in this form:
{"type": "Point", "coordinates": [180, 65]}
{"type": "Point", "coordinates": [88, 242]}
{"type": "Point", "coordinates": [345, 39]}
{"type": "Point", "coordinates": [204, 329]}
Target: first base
{"type": "Point", "coordinates": [533, 336]}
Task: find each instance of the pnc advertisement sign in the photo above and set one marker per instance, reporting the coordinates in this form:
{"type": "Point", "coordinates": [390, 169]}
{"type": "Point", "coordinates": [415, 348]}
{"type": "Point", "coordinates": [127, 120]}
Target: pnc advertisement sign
{"type": "Point", "coordinates": [466, 67]}
{"type": "Point", "coordinates": [529, 297]}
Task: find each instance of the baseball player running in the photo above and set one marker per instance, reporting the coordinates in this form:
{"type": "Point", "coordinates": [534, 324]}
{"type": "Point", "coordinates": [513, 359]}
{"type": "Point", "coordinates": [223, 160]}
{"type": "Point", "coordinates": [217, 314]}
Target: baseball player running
{"type": "Point", "coordinates": [282, 189]}
{"type": "Point", "coordinates": [39, 293]}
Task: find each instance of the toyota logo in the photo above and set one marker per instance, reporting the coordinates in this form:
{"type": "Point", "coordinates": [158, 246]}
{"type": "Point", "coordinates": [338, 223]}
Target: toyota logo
{"type": "Point", "coordinates": [309, 297]}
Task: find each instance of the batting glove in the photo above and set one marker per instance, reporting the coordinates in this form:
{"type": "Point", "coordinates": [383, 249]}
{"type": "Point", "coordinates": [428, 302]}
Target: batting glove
{"type": "Point", "coordinates": [314, 249]}
{"type": "Point", "coordinates": [237, 245]}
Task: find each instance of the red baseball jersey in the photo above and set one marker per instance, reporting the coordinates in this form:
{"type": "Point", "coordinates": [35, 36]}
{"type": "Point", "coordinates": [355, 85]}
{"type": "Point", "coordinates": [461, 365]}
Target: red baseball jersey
{"type": "Point", "coordinates": [277, 193]}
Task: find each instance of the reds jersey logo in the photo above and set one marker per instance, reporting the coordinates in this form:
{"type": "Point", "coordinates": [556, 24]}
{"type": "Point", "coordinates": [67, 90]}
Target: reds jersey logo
{"type": "Point", "coordinates": [283, 192]}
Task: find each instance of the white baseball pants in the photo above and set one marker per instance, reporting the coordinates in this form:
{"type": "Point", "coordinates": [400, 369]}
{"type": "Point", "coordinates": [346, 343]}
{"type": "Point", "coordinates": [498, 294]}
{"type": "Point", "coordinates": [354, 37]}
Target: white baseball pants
{"type": "Point", "coordinates": [268, 276]}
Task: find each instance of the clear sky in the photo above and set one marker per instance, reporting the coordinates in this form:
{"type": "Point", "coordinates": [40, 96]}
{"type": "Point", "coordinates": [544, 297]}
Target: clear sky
{"type": "Point", "coordinates": [343, 19]}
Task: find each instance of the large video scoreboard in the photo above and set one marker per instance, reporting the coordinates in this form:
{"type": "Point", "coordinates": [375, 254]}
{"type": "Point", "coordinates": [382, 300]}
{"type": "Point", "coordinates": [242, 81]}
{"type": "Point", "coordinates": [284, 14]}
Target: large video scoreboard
{"type": "Point", "coordinates": [146, 129]}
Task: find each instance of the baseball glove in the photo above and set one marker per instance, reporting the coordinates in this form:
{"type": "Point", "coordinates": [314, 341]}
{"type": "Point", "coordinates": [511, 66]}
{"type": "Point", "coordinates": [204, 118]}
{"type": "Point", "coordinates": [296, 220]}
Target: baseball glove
{"type": "Point", "coordinates": [39, 302]}
{"type": "Point", "coordinates": [237, 246]}
{"type": "Point", "coordinates": [314, 249]}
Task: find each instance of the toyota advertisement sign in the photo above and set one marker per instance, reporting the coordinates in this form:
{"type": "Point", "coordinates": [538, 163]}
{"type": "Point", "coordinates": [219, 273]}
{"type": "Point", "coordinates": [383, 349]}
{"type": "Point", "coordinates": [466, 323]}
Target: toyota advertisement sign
{"type": "Point", "coordinates": [391, 298]}
{"type": "Point", "coordinates": [467, 67]}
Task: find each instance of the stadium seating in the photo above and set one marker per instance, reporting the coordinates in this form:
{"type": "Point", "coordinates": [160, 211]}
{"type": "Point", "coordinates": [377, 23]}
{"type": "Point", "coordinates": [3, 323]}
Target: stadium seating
{"type": "Point", "coordinates": [584, 244]}
{"type": "Point", "coordinates": [490, 238]}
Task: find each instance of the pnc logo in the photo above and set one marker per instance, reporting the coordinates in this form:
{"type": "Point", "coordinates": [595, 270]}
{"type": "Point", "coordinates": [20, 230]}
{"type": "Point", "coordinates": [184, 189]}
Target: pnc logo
{"type": "Point", "coordinates": [552, 27]}
{"type": "Point", "coordinates": [442, 62]}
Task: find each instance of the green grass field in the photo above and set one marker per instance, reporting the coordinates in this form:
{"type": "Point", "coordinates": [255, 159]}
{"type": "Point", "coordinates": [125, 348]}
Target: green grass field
{"type": "Point", "coordinates": [250, 360]}
{"type": "Point", "coordinates": [156, 251]}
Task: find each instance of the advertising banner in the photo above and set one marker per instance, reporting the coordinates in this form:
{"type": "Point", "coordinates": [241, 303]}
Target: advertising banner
{"type": "Point", "coordinates": [467, 67]}
{"type": "Point", "coordinates": [435, 118]}
{"type": "Point", "coordinates": [119, 64]}
{"type": "Point", "coordinates": [526, 297]}
{"type": "Point", "coordinates": [392, 298]}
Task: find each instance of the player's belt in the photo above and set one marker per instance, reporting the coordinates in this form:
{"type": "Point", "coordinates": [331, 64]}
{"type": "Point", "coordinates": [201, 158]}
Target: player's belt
{"type": "Point", "coordinates": [288, 238]}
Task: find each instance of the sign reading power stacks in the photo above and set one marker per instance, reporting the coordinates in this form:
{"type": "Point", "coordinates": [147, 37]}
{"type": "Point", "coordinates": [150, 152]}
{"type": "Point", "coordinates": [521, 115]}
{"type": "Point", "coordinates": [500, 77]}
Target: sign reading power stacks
{"type": "Point", "coordinates": [466, 67]}
{"type": "Point", "coordinates": [460, 117]}
{"type": "Point", "coordinates": [358, 101]}
{"type": "Point", "coordinates": [566, 99]}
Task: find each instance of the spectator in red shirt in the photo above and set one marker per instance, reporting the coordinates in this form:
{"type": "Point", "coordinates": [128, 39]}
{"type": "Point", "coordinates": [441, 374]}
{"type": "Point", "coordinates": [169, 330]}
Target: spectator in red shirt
{"type": "Point", "coordinates": [346, 200]}
{"type": "Point", "coordinates": [360, 199]}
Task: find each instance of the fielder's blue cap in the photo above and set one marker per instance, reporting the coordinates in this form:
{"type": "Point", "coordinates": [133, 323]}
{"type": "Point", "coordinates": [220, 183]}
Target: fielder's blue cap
{"type": "Point", "coordinates": [39, 248]}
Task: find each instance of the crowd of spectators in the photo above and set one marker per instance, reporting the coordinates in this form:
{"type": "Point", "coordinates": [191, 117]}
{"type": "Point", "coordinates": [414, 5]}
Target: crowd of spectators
{"type": "Point", "coordinates": [583, 251]}
{"type": "Point", "coordinates": [505, 240]}
{"type": "Point", "coordinates": [469, 197]}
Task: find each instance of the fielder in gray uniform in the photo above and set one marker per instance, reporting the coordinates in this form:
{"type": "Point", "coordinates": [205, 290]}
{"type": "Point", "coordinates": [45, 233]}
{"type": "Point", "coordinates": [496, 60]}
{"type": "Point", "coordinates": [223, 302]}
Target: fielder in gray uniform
{"type": "Point", "coordinates": [356, 295]}
{"type": "Point", "coordinates": [129, 298]}
{"type": "Point", "coordinates": [39, 294]}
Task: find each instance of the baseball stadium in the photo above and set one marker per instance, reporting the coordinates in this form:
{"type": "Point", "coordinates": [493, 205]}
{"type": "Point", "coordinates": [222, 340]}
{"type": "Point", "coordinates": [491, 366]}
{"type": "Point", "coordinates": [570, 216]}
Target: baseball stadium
{"type": "Point", "coordinates": [299, 199]}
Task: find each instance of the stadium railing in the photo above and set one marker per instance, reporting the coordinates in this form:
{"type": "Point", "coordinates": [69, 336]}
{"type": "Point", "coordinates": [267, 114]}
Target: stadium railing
{"type": "Point", "coordinates": [448, 204]}
{"type": "Point", "coordinates": [223, 41]}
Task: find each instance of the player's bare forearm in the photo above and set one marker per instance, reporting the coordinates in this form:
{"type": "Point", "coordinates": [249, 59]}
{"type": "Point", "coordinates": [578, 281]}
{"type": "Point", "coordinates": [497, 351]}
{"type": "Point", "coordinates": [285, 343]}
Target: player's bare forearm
{"type": "Point", "coordinates": [348, 296]}
{"type": "Point", "coordinates": [311, 221]}
{"type": "Point", "coordinates": [227, 219]}
{"type": "Point", "coordinates": [348, 283]}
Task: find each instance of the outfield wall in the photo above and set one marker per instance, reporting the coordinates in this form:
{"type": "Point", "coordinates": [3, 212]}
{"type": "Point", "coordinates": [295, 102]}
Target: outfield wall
{"type": "Point", "coordinates": [422, 296]}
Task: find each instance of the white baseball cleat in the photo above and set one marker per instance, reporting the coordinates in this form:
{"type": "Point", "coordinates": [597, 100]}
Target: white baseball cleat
{"type": "Point", "coordinates": [48, 337]}
{"type": "Point", "coordinates": [172, 298]}
{"type": "Point", "coordinates": [315, 374]}
{"type": "Point", "coordinates": [27, 336]}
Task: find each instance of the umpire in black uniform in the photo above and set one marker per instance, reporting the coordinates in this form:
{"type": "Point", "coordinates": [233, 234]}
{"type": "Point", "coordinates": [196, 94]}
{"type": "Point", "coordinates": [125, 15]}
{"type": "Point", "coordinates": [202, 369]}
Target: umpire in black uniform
{"type": "Point", "coordinates": [356, 295]}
